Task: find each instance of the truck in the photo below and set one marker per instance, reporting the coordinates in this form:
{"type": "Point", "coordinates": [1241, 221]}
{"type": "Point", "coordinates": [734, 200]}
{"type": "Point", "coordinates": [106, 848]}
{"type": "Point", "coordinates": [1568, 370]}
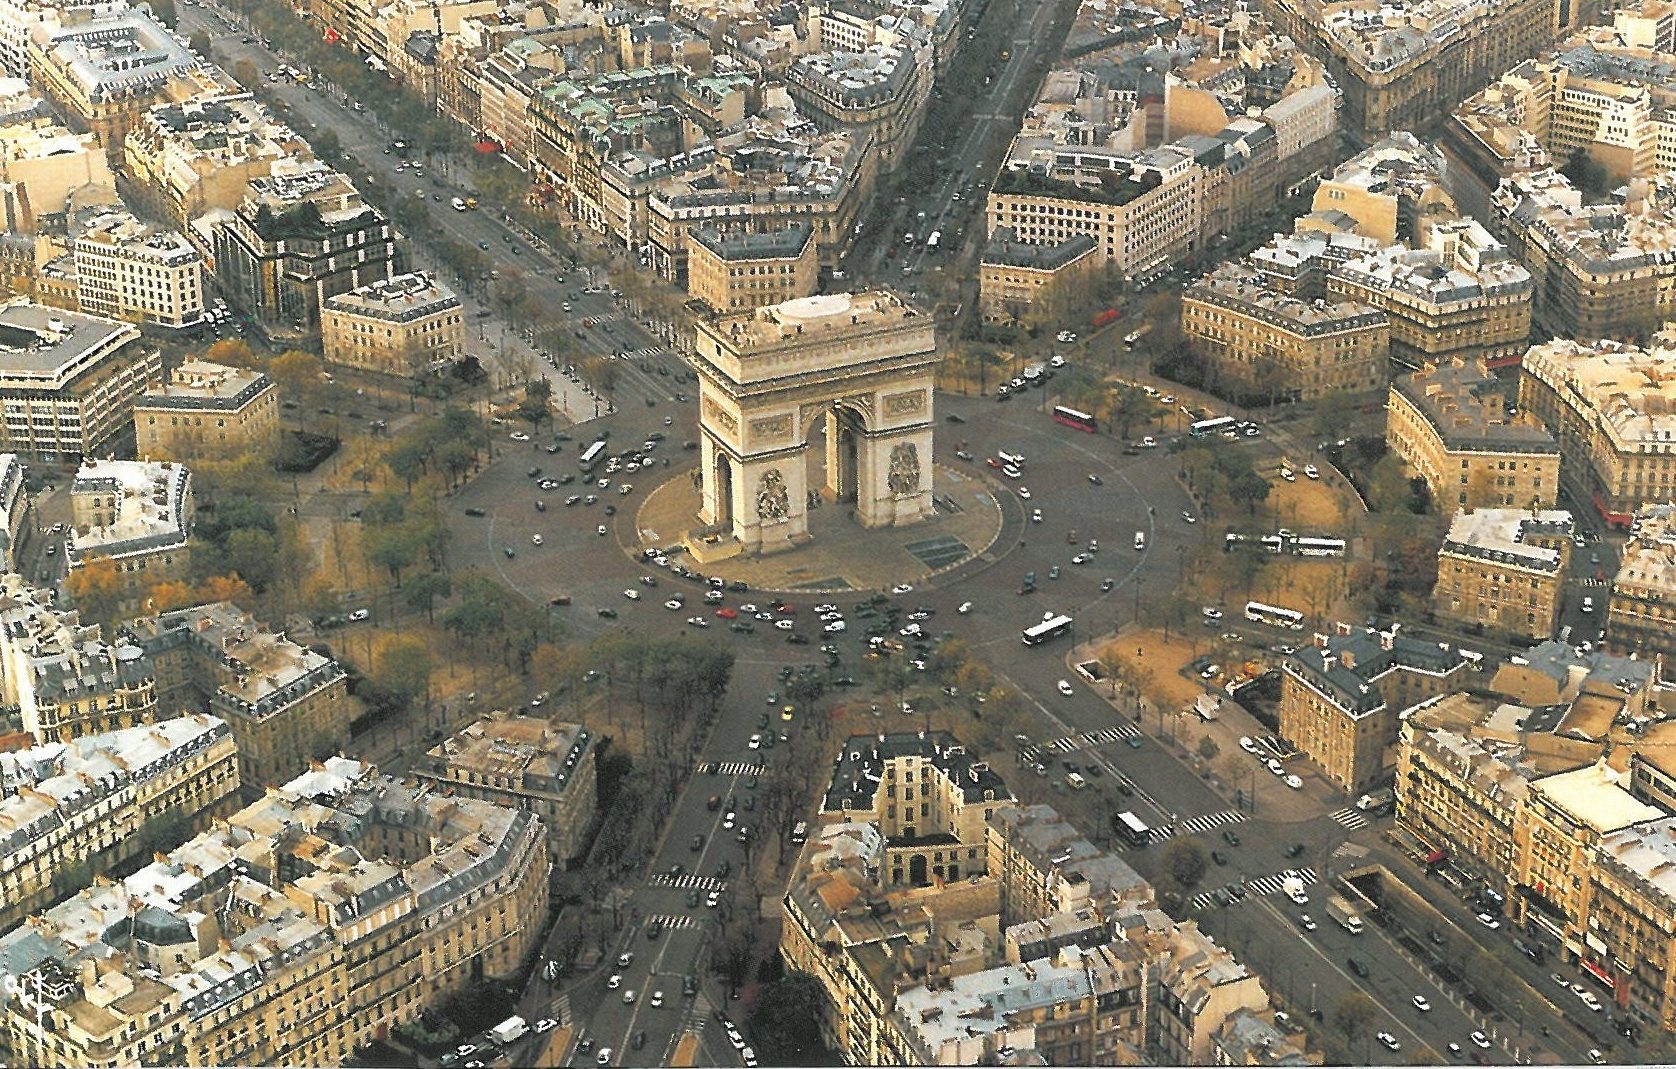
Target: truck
{"type": "Point", "coordinates": [1348, 916]}
{"type": "Point", "coordinates": [508, 1030]}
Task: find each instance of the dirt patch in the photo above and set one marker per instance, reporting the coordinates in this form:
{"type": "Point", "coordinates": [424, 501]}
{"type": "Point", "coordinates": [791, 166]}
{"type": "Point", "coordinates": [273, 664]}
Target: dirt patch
{"type": "Point", "coordinates": [1156, 664]}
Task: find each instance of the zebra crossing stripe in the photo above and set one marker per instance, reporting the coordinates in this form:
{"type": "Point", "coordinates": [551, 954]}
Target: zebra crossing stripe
{"type": "Point", "coordinates": [689, 881]}
{"type": "Point", "coordinates": [672, 921]}
{"type": "Point", "coordinates": [1194, 825]}
{"type": "Point", "coordinates": [1350, 818]}
{"type": "Point", "coordinates": [729, 768]}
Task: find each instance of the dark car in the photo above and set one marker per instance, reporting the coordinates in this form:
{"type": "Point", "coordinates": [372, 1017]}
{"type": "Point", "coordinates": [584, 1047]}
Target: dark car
{"type": "Point", "coordinates": [1357, 967]}
{"type": "Point", "coordinates": [609, 614]}
{"type": "Point", "coordinates": [1294, 850]}
{"type": "Point", "coordinates": [1229, 837]}
{"type": "Point", "coordinates": [475, 511]}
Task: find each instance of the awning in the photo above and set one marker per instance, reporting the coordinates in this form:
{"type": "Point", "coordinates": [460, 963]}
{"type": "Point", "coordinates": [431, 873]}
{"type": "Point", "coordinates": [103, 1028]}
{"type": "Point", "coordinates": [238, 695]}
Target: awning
{"type": "Point", "coordinates": [486, 147]}
{"type": "Point", "coordinates": [1436, 855]}
{"type": "Point", "coordinates": [1599, 974]}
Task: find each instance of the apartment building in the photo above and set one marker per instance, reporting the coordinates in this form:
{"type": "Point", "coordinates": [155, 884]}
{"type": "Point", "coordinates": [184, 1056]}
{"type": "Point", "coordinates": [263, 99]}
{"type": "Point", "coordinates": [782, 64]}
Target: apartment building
{"type": "Point", "coordinates": [62, 679]}
{"type": "Point", "coordinates": [1641, 611]}
{"type": "Point", "coordinates": [1014, 275]}
{"type": "Point", "coordinates": [128, 270]}
{"type": "Point", "coordinates": [1503, 570]}
{"type": "Point", "coordinates": [137, 515]}
{"type": "Point", "coordinates": [877, 93]}
{"type": "Point", "coordinates": [1142, 209]}
{"type": "Point", "coordinates": [927, 796]}
{"type": "Point", "coordinates": [1260, 342]}
{"type": "Point", "coordinates": [1457, 293]}
{"type": "Point", "coordinates": [15, 509]}
{"type": "Point", "coordinates": [1340, 698]}
{"type": "Point", "coordinates": [41, 164]}
{"type": "Point", "coordinates": [189, 158]}
{"type": "Point", "coordinates": [206, 411]}
{"type": "Point", "coordinates": [300, 929]}
{"type": "Point", "coordinates": [1600, 93]}
{"type": "Point", "coordinates": [521, 762]}
{"type": "Point", "coordinates": [68, 380]}
{"type": "Point", "coordinates": [1601, 270]}
{"type": "Point", "coordinates": [408, 326]}
{"type": "Point", "coordinates": [1627, 946]}
{"type": "Point", "coordinates": [88, 803]}
{"type": "Point", "coordinates": [1403, 66]}
{"type": "Point", "coordinates": [301, 235]}
{"type": "Point", "coordinates": [1046, 866]}
{"type": "Point", "coordinates": [287, 705]}
{"type": "Point", "coordinates": [105, 70]}
{"type": "Point", "coordinates": [1449, 424]}
{"type": "Point", "coordinates": [1383, 192]}
{"type": "Point", "coordinates": [1610, 407]}
{"type": "Point", "coordinates": [1201, 985]}
{"type": "Point", "coordinates": [731, 271]}
{"type": "Point", "coordinates": [18, 18]}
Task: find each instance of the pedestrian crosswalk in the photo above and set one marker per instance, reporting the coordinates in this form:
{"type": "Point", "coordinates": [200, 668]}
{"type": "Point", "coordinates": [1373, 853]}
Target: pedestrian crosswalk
{"type": "Point", "coordinates": [561, 1008]}
{"type": "Point", "coordinates": [688, 880]}
{"type": "Point", "coordinates": [1194, 825]}
{"type": "Point", "coordinates": [1592, 580]}
{"type": "Point", "coordinates": [1351, 818]}
{"type": "Point", "coordinates": [729, 768]}
{"type": "Point", "coordinates": [672, 921]}
{"type": "Point", "coordinates": [650, 350]}
{"type": "Point", "coordinates": [1261, 885]}
{"type": "Point", "coordinates": [1094, 738]}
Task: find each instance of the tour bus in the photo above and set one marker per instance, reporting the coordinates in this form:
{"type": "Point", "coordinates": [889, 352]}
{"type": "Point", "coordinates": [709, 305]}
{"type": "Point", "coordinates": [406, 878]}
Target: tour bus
{"type": "Point", "coordinates": [1216, 425]}
{"type": "Point", "coordinates": [591, 456]}
{"type": "Point", "coordinates": [1052, 627]}
{"type": "Point", "coordinates": [1082, 421]}
{"type": "Point", "coordinates": [1131, 828]}
{"type": "Point", "coordinates": [1274, 615]}
{"type": "Point", "coordinates": [1318, 547]}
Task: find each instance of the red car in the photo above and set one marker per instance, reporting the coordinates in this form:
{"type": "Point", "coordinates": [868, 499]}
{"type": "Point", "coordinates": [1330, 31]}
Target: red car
{"type": "Point", "coordinates": [992, 462]}
{"type": "Point", "coordinates": [726, 613]}
{"type": "Point", "coordinates": [788, 609]}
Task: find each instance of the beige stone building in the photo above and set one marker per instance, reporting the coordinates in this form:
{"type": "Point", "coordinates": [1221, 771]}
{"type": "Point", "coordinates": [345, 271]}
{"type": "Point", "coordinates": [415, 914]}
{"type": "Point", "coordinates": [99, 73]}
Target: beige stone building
{"type": "Point", "coordinates": [15, 510]}
{"type": "Point", "coordinates": [142, 274]}
{"type": "Point", "coordinates": [69, 380]}
{"type": "Point", "coordinates": [1014, 275]}
{"type": "Point", "coordinates": [295, 932]}
{"type": "Point", "coordinates": [1503, 570]}
{"type": "Point", "coordinates": [206, 411]}
{"type": "Point", "coordinates": [41, 165]}
{"type": "Point", "coordinates": [1641, 611]}
{"type": "Point", "coordinates": [61, 677]}
{"type": "Point", "coordinates": [1341, 695]}
{"type": "Point", "coordinates": [94, 801]}
{"type": "Point", "coordinates": [138, 516]}
{"type": "Point", "coordinates": [524, 763]}
{"type": "Point", "coordinates": [1449, 424]}
{"type": "Point", "coordinates": [1045, 866]}
{"type": "Point", "coordinates": [731, 271]}
{"type": "Point", "coordinates": [287, 705]}
{"type": "Point", "coordinates": [879, 91]}
{"type": "Point", "coordinates": [407, 326]}
{"type": "Point", "coordinates": [927, 796]}
{"type": "Point", "coordinates": [1259, 341]}
{"type": "Point", "coordinates": [1383, 192]}
{"type": "Point", "coordinates": [1611, 408]}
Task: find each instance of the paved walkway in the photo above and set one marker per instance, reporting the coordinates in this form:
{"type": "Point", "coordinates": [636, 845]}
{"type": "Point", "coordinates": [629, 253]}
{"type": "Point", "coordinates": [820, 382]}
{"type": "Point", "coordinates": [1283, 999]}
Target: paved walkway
{"type": "Point", "coordinates": [842, 555]}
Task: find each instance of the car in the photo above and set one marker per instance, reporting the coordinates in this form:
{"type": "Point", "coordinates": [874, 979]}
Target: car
{"type": "Point", "coordinates": [1588, 604]}
{"type": "Point", "coordinates": [614, 982]}
{"type": "Point", "coordinates": [1065, 688]}
{"type": "Point", "coordinates": [1188, 517]}
{"type": "Point", "coordinates": [1596, 1057]}
{"type": "Point", "coordinates": [607, 614]}
{"type": "Point", "coordinates": [1294, 850]}
{"type": "Point", "coordinates": [1480, 1040]}
{"type": "Point", "coordinates": [508, 550]}
{"type": "Point", "coordinates": [631, 594]}
{"type": "Point", "coordinates": [1035, 515]}
{"type": "Point", "coordinates": [1311, 471]}
{"type": "Point", "coordinates": [1149, 442]}
{"type": "Point", "coordinates": [697, 621]}
{"type": "Point", "coordinates": [1421, 1003]}
{"type": "Point", "coordinates": [625, 959]}
{"type": "Point", "coordinates": [476, 512]}
{"type": "Point", "coordinates": [1357, 967]}
{"type": "Point", "coordinates": [603, 1057]}
{"type": "Point", "coordinates": [754, 744]}
{"type": "Point", "coordinates": [1211, 613]}
{"type": "Point", "coordinates": [1297, 894]}
{"type": "Point", "coordinates": [1488, 921]}
{"type": "Point", "coordinates": [535, 540]}
{"type": "Point", "coordinates": [1273, 765]}
{"type": "Point", "coordinates": [657, 999]}
{"type": "Point", "coordinates": [360, 614]}
{"type": "Point", "coordinates": [1011, 472]}
{"type": "Point", "coordinates": [1053, 572]}
{"type": "Point", "coordinates": [749, 1057]}
{"type": "Point", "coordinates": [1306, 922]}
{"type": "Point", "coordinates": [673, 605]}
{"type": "Point", "coordinates": [1590, 1001]}
{"type": "Point", "coordinates": [1288, 475]}
{"type": "Point", "coordinates": [1389, 1040]}
{"type": "Point", "coordinates": [1024, 492]}
{"type": "Point", "coordinates": [600, 530]}
{"type": "Point", "coordinates": [520, 436]}
{"type": "Point", "coordinates": [546, 1024]}
{"type": "Point", "coordinates": [1209, 671]}
{"type": "Point", "coordinates": [1107, 584]}
{"type": "Point", "coordinates": [1065, 337]}
{"type": "Point", "coordinates": [902, 588]}
{"type": "Point", "coordinates": [1215, 855]}
{"type": "Point", "coordinates": [1095, 479]}
{"type": "Point", "coordinates": [1230, 837]}
{"type": "Point", "coordinates": [1248, 744]}
{"type": "Point", "coordinates": [964, 608]}
{"type": "Point", "coordinates": [1293, 782]}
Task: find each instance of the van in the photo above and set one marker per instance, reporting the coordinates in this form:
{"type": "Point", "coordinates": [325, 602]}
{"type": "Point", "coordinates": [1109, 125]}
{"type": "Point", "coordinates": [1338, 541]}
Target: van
{"type": "Point", "coordinates": [1015, 459]}
{"type": "Point", "coordinates": [800, 833]}
{"type": "Point", "coordinates": [1075, 780]}
{"type": "Point", "coordinates": [1140, 540]}
{"type": "Point", "coordinates": [459, 205]}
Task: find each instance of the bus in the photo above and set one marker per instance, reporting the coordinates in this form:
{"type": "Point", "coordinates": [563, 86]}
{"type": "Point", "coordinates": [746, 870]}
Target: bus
{"type": "Point", "coordinates": [591, 456]}
{"type": "Point", "coordinates": [1274, 615]}
{"type": "Point", "coordinates": [1052, 627]}
{"type": "Point", "coordinates": [1318, 547]}
{"type": "Point", "coordinates": [1082, 421]}
{"type": "Point", "coordinates": [1130, 827]}
{"type": "Point", "coordinates": [1207, 427]}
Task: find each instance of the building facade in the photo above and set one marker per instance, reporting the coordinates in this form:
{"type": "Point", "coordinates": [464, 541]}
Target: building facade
{"type": "Point", "coordinates": [1503, 570]}
{"type": "Point", "coordinates": [137, 273]}
{"type": "Point", "coordinates": [408, 326]}
{"type": "Point", "coordinates": [1449, 424]}
{"type": "Point", "coordinates": [1014, 276]}
{"type": "Point", "coordinates": [136, 515]}
{"type": "Point", "coordinates": [1641, 611]}
{"type": "Point", "coordinates": [734, 271]}
{"type": "Point", "coordinates": [206, 411]}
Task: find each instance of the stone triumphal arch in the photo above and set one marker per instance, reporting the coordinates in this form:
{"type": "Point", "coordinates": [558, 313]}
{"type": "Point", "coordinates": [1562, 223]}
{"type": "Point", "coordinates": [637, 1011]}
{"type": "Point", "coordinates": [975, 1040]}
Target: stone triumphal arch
{"type": "Point", "coordinates": [861, 366]}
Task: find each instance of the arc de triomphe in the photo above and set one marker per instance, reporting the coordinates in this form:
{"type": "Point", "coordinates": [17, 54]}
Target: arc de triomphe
{"type": "Point", "coordinates": [864, 361]}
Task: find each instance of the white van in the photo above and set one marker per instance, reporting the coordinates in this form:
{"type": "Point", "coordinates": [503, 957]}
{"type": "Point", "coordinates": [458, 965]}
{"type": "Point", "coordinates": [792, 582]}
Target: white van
{"type": "Point", "coordinates": [1140, 540]}
{"type": "Point", "coordinates": [459, 205]}
{"type": "Point", "coordinates": [1075, 780]}
{"type": "Point", "coordinates": [1015, 459]}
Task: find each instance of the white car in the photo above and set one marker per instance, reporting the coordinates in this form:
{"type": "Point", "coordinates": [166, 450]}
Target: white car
{"type": "Point", "coordinates": [1188, 517]}
{"type": "Point", "coordinates": [730, 818]}
{"type": "Point", "coordinates": [1298, 895]}
{"type": "Point", "coordinates": [615, 982]}
{"type": "Point", "coordinates": [1422, 1003]}
{"type": "Point", "coordinates": [1248, 744]}
{"type": "Point", "coordinates": [697, 621]}
{"type": "Point", "coordinates": [1035, 515]}
{"type": "Point", "coordinates": [535, 540]}
{"type": "Point", "coordinates": [1288, 475]}
{"type": "Point", "coordinates": [673, 605]}
{"type": "Point", "coordinates": [749, 607]}
{"type": "Point", "coordinates": [1066, 337]}
{"type": "Point", "coordinates": [657, 999]}
{"type": "Point", "coordinates": [1294, 782]}
{"type": "Point", "coordinates": [1590, 1000]}
{"type": "Point", "coordinates": [520, 436]}
{"type": "Point", "coordinates": [965, 607]}
{"type": "Point", "coordinates": [600, 530]}
{"type": "Point", "coordinates": [603, 1057]}
{"type": "Point", "coordinates": [833, 628]}
{"type": "Point", "coordinates": [1011, 472]}
{"type": "Point", "coordinates": [749, 1057]}
{"type": "Point", "coordinates": [1149, 442]}
{"type": "Point", "coordinates": [631, 594]}
{"type": "Point", "coordinates": [713, 899]}
{"type": "Point", "coordinates": [1311, 471]}
{"type": "Point", "coordinates": [1480, 1040]}
{"type": "Point", "coordinates": [1211, 613]}
{"type": "Point", "coordinates": [1065, 688]}
{"type": "Point", "coordinates": [1389, 1040]}
{"type": "Point", "coordinates": [902, 588]}
{"type": "Point", "coordinates": [784, 625]}
{"type": "Point", "coordinates": [365, 614]}
{"type": "Point", "coordinates": [1275, 766]}
{"type": "Point", "coordinates": [1024, 492]}
{"type": "Point", "coordinates": [546, 1024]}
{"type": "Point", "coordinates": [1490, 922]}
{"type": "Point", "coordinates": [755, 743]}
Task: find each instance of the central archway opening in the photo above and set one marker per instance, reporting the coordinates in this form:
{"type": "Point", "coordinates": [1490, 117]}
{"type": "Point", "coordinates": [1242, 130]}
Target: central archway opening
{"type": "Point", "coordinates": [834, 439]}
{"type": "Point", "coordinates": [724, 489]}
